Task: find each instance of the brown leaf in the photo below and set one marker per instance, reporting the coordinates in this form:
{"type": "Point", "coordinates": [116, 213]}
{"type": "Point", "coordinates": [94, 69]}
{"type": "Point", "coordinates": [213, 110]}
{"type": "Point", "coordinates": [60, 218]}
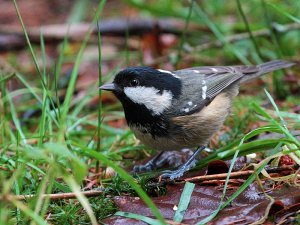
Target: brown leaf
{"type": "Point", "coordinates": [248, 207]}
{"type": "Point", "coordinates": [286, 212]}
{"type": "Point", "coordinates": [216, 167]}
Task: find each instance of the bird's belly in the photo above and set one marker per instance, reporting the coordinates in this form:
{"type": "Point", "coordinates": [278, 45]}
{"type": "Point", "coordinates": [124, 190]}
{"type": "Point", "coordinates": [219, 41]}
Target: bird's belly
{"type": "Point", "coordinates": [157, 143]}
{"type": "Point", "coordinates": [176, 141]}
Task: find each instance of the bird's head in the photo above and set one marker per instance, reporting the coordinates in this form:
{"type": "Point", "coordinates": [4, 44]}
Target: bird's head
{"type": "Point", "coordinates": [145, 87]}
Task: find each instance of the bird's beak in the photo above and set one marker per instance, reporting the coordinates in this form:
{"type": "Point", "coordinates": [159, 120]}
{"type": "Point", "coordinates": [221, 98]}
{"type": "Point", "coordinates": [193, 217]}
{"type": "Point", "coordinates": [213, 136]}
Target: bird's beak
{"type": "Point", "coordinates": [108, 87]}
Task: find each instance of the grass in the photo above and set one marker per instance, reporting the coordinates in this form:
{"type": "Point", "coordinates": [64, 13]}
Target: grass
{"type": "Point", "coordinates": [184, 202]}
{"type": "Point", "coordinates": [67, 142]}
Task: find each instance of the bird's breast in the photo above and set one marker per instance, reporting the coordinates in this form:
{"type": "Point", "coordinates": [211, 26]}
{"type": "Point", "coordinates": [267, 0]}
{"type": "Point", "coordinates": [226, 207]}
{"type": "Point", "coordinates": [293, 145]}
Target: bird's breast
{"type": "Point", "coordinates": [160, 143]}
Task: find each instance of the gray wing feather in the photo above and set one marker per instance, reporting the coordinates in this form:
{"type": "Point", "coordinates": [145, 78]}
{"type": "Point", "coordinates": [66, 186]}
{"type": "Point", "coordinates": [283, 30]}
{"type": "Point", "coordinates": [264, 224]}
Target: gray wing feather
{"type": "Point", "coordinates": [209, 81]}
{"type": "Point", "coordinates": [200, 85]}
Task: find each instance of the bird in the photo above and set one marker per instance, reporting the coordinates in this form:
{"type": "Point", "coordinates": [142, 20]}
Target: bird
{"type": "Point", "coordinates": [174, 110]}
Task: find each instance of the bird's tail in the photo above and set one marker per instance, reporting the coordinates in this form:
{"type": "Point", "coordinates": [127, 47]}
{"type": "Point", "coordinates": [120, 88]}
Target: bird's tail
{"type": "Point", "coordinates": [274, 65]}
{"type": "Point", "coordinates": [267, 68]}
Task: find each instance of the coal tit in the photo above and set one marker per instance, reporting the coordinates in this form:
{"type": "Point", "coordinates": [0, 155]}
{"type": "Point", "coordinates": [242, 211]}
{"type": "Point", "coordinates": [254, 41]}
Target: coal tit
{"type": "Point", "coordinates": [172, 110]}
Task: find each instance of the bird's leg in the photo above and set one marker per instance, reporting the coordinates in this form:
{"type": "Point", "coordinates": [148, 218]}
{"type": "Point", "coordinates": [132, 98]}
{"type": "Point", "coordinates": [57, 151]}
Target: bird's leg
{"type": "Point", "coordinates": [165, 159]}
{"type": "Point", "coordinates": [190, 163]}
{"type": "Point", "coordinates": [149, 166]}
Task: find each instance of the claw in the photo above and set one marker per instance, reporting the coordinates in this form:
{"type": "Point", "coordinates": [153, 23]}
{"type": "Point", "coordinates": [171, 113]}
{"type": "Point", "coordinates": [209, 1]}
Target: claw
{"type": "Point", "coordinates": [160, 160]}
{"type": "Point", "coordinates": [142, 168]}
{"type": "Point", "coordinates": [190, 163]}
{"type": "Point", "coordinates": [164, 160]}
{"type": "Point", "coordinates": [149, 166]}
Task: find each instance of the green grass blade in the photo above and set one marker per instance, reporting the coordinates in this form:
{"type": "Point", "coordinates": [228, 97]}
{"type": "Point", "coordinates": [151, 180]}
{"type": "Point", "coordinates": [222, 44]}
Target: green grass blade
{"type": "Point", "coordinates": [288, 15]}
{"type": "Point", "coordinates": [237, 193]}
{"type": "Point", "coordinates": [6, 77]}
{"type": "Point", "coordinates": [74, 74]}
{"type": "Point", "coordinates": [32, 53]}
{"type": "Point", "coordinates": [274, 37]}
{"type": "Point", "coordinates": [16, 120]}
{"type": "Point", "coordinates": [215, 213]}
{"type": "Point", "coordinates": [78, 12]}
{"type": "Point", "coordinates": [129, 179]}
{"type": "Point", "coordinates": [38, 98]}
{"type": "Point", "coordinates": [283, 123]}
{"type": "Point", "coordinates": [218, 34]}
{"type": "Point", "coordinates": [249, 30]}
{"type": "Point", "coordinates": [34, 167]}
{"type": "Point", "coordinates": [43, 56]}
{"type": "Point", "coordinates": [98, 147]}
{"type": "Point", "coordinates": [184, 33]}
{"type": "Point", "coordinates": [184, 201]}
{"type": "Point", "coordinates": [57, 71]}
{"type": "Point", "coordinates": [247, 136]}
{"type": "Point", "coordinates": [274, 122]}
{"type": "Point", "coordinates": [42, 127]}
{"type": "Point", "coordinates": [82, 199]}
{"type": "Point", "coordinates": [27, 211]}
{"type": "Point", "coordinates": [145, 219]}
{"type": "Point", "coordinates": [28, 41]}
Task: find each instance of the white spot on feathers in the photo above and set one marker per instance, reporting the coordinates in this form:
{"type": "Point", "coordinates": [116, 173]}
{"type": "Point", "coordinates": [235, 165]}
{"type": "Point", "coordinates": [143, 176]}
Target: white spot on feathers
{"type": "Point", "coordinates": [196, 71]}
{"type": "Point", "coordinates": [214, 69]}
{"type": "Point", "coordinates": [166, 71]}
{"type": "Point", "coordinates": [189, 107]}
{"type": "Point", "coordinates": [194, 106]}
{"type": "Point", "coordinates": [204, 89]}
{"type": "Point", "coordinates": [150, 98]}
{"type": "Point", "coordinates": [186, 110]}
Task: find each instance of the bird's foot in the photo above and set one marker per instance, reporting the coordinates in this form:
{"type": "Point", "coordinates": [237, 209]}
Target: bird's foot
{"type": "Point", "coordinates": [149, 166]}
{"type": "Point", "coordinates": [164, 159]}
{"type": "Point", "coordinates": [190, 163]}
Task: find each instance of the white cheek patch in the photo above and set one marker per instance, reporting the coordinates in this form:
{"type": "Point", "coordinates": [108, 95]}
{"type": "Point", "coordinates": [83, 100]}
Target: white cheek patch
{"type": "Point", "coordinates": [150, 98]}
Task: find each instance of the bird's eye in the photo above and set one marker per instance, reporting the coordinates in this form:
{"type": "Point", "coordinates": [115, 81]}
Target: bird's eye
{"type": "Point", "coordinates": [134, 82]}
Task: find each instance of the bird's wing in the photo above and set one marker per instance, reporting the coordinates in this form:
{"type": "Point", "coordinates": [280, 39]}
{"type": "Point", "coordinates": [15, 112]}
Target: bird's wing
{"type": "Point", "coordinates": [200, 85]}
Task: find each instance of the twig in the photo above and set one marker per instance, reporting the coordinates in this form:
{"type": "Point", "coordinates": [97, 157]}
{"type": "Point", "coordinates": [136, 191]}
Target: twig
{"type": "Point", "coordinates": [5, 169]}
{"type": "Point", "coordinates": [110, 27]}
{"type": "Point", "coordinates": [58, 196]}
{"type": "Point", "coordinates": [229, 39]}
{"type": "Point", "coordinates": [239, 173]}
{"type": "Point", "coordinates": [245, 35]}
{"type": "Point", "coordinates": [281, 168]}
{"type": "Point", "coordinates": [219, 176]}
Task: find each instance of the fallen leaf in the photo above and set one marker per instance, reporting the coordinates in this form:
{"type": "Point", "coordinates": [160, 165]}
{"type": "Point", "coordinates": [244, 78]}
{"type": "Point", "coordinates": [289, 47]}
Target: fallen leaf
{"type": "Point", "coordinates": [248, 207]}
